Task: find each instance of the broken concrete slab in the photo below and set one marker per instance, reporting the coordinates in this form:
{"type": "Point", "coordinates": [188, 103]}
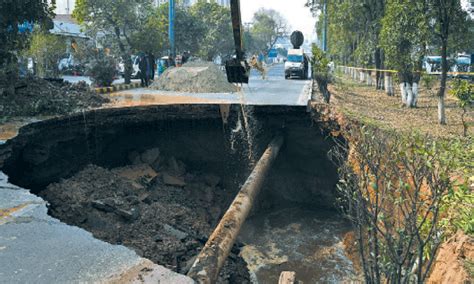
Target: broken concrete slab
{"type": "Point", "coordinates": [169, 179]}
{"type": "Point", "coordinates": [150, 156]}
{"type": "Point", "coordinates": [136, 172]}
{"type": "Point", "coordinates": [180, 235]}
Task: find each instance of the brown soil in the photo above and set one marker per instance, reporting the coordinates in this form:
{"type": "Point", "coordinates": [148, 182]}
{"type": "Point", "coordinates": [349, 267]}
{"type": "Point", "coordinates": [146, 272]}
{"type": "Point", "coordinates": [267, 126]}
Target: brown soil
{"type": "Point", "coordinates": [367, 104]}
{"type": "Point", "coordinates": [195, 77]}
{"type": "Point", "coordinates": [34, 96]}
{"type": "Point", "coordinates": [455, 260]}
{"type": "Point", "coordinates": [162, 212]}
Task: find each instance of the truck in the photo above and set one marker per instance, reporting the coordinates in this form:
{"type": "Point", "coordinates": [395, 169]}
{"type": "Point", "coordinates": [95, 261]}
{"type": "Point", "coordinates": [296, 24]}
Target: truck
{"type": "Point", "coordinates": [297, 63]}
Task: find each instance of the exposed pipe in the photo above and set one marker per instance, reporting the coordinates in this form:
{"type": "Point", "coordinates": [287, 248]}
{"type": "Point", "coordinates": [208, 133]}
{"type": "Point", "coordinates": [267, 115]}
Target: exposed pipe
{"type": "Point", "coordinates": [209, 262]}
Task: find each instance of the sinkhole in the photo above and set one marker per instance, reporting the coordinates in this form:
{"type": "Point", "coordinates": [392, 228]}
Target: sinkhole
{"type": "Point", "coordinates": [158, 179]}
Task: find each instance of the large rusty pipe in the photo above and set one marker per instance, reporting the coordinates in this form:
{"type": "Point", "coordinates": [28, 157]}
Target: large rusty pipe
{"type": "Point", "coordinates": [209, 262]}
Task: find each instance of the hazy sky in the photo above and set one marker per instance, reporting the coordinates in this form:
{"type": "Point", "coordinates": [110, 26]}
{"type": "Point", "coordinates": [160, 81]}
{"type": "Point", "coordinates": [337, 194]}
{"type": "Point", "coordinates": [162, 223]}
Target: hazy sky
{"type": "Point", "coordinates": [298, 16]}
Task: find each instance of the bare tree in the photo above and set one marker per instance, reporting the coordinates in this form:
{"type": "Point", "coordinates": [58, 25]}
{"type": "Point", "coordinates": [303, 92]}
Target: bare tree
{"type": "Point", "coordinates": [391, 189]}
{"type": "Point", "coordinates": [268, 26]}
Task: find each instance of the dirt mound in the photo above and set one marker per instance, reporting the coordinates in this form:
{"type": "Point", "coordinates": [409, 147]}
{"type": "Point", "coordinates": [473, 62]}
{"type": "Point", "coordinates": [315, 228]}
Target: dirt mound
{"type": "Point", "coordinates": [195, 77]}
{"type": "Point", "coordinates": [454, 261]}
{"type": "Point", "coordinates": [34, 96]}
{"type": "Point", "coordinates": [154, 206]}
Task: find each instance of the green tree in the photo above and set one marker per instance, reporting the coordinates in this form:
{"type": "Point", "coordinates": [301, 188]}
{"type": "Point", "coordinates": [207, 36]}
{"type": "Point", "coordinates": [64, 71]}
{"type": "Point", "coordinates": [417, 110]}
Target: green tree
{"type": "Point", "coordinates": [46, 49]}
{"type": "Point", "coordinates": [120, 18]}
{"type": "Point", "coordinates": [14, 13]}
{"type": "Point", "coordinates": [268, 26]}
{"type": "Point", "coordinates": [404, 37]}
{"type": "Point", "coordinates": [353, 31]}
{"type": "Point", "coordinates": [217, 39]}
{"type": "Point", "coordinates": [448, 16]}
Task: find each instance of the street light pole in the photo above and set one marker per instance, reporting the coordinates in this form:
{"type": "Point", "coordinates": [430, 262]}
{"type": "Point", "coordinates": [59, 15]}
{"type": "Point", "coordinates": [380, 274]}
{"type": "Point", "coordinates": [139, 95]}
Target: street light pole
{"type": "Point", "coordinates": [325, 26]}
{"type": "Point", "coordinates": [171, 30]}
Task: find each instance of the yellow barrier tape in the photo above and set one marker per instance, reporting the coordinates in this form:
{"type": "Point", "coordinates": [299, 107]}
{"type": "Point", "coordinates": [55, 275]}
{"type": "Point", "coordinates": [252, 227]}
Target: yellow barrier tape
{"type": "Point", "coordinates": [393, 71]}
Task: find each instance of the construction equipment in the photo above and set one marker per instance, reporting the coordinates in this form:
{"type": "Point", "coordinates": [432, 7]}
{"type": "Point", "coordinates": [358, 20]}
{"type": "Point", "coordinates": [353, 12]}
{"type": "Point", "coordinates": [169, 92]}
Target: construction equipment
{"type": "Point", "coordinates": [237, 69]}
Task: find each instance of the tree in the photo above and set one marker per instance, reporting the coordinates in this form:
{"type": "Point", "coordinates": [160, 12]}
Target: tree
{"type": "Point", "coordinates": [217, 39]}
{"type": "Point", "coordinates": [404, 37]}
{"type": "Point", "coordinates": [13, 14]}
{"type": "Point", "coordinates": [448, 15]}
{"type": "Point", "coordinates": [354, 30]}
{"type": "Point", "coordinates": [268, 26]}
{"type": "Point", "coordinates": [47, 49]}
{"type": "Point", "coordinates": [120, 18]}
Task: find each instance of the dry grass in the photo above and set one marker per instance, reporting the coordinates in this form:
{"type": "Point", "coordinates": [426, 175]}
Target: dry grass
{"type": "Point", "coordinates": [374, 106]}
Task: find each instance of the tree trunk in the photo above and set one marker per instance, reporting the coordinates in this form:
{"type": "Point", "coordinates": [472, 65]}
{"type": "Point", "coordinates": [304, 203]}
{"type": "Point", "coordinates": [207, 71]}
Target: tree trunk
{"type": "Point", "coordinates": [409, 94]}
{"type": "Point", "coordinates": [127, 59]}
{"type": "Point", "coordinates": [378, 66]}
{"type": "Point", "coordinates": [388, 84]}
{"type": "Point", "coordinates": [444, 76]}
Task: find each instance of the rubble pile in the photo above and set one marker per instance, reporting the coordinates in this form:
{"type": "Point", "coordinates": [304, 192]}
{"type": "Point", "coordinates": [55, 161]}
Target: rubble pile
{"type": "Point", "coordinates": [154, 206]}
{"type": "Point", "coordinates": [195, 77]}
{"type": "Point", "coordinates": [34, 96]}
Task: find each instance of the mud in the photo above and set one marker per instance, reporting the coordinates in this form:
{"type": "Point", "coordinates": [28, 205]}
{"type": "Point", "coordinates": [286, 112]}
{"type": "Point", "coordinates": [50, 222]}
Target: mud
{"type": "Point", "coordinates": [34, 96]}
{"type": "Point", "coordinates": [195, 77]}
{"type": "Point", "coordinates": [162, 220]}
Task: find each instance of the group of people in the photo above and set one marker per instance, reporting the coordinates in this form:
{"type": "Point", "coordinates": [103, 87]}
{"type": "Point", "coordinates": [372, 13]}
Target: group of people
{"type": "Point", "coordinates": [147, 67]}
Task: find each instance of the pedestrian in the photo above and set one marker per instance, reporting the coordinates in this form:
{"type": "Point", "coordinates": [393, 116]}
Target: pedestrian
{"type": "Point", "coordinates": [143, 66]}
{"type": "Point", "coordinates": [152, 62]}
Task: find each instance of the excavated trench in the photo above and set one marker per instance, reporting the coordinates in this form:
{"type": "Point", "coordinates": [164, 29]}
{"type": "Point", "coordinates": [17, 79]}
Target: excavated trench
{"type": "Point", "coordinates": [158, 180]}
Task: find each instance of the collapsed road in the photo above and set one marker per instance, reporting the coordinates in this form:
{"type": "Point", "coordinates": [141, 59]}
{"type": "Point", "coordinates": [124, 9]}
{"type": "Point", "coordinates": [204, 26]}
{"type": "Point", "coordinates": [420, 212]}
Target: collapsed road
{"type": "Point", "coordinates": [99, 171]}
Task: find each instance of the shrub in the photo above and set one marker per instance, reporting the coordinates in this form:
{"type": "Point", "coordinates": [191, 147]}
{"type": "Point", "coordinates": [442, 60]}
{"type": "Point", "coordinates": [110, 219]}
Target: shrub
{"type": "Point", "coordinates": [393, 188]}
{"type": "Point", "coordinates": [102, 69]}
{"type": "Point", "coordinates": [320, 72]}
{"type": "Point", "coordinates": [464, 92]}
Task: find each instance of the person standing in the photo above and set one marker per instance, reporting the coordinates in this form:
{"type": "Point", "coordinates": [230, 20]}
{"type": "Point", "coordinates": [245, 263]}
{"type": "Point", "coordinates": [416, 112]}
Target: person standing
{"type": "Point", "coordinates": [152, 62]}
{"type": "Point", "coordinates": [143, 66]}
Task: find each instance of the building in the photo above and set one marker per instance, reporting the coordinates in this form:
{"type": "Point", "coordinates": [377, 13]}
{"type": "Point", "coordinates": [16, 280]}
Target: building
{"type": "Point", "coordinates": [64, 7]}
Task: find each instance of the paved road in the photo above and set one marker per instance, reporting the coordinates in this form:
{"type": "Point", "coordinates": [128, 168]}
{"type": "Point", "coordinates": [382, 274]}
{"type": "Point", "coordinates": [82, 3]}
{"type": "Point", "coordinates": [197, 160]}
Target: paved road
{"type": "Point", "coordinates": [275, 90]}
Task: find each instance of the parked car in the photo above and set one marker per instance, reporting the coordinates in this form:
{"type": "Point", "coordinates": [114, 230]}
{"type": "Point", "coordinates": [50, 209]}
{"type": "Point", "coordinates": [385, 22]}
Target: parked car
{"type": "Point", "coordinates": [135, 68]}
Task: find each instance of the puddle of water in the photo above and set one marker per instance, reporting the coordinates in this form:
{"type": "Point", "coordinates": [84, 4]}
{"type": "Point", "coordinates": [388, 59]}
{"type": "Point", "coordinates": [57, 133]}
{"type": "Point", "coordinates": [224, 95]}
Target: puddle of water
{"type": "Point", "coordinates": [295, 239]}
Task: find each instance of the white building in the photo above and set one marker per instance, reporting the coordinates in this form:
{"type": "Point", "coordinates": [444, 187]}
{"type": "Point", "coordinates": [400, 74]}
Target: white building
{"type": "Point", "coordinates": [64, 7]}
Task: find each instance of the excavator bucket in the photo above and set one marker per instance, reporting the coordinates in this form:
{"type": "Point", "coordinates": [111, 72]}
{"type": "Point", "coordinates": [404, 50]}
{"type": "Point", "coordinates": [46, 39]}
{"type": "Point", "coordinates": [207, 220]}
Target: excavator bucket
{"type": "Point", "coordinates": [237, 72]}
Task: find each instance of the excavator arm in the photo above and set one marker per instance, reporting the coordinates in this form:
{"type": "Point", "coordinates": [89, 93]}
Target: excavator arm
{"type": "Point", "coordinates": [237, 69]}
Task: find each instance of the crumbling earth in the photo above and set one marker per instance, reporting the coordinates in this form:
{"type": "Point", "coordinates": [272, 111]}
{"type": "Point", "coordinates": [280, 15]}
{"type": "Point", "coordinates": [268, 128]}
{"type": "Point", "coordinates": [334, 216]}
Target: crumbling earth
{"type": "Point", "coordinates": [154, 206]}
{"type": "Point", "coordinates": [195, 77]}
{"type": "Point", "coordinates": [34, 96]}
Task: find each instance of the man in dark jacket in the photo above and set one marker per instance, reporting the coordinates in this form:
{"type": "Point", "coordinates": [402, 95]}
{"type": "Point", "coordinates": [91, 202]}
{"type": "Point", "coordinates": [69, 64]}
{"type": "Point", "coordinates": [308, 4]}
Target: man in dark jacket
{"type": "Point", "coordinates": [152, 62]}
{"type": "Point", "coordinates": [143, 66]}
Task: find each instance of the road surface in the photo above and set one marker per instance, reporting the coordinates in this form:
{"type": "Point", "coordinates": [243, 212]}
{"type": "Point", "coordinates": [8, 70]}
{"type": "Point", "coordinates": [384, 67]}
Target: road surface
{"type": "Point", "coordinates": [275, 90]}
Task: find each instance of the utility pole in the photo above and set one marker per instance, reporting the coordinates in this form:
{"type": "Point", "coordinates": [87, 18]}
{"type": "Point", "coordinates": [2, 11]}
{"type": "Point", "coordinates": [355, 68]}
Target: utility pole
{"type": "Point", "coordinates": [325, 26]}
{"type": "Point", "coordinates": [171, 31]}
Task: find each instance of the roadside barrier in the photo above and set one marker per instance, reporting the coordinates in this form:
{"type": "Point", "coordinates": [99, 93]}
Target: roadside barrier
{"type": "Point", "coordinates": [115, 88]}
{"type": "Point", "coordinates": [368, 76]}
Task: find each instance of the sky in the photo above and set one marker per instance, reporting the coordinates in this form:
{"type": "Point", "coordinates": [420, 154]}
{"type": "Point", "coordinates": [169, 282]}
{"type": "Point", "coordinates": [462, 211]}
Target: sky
{"type": "Point", "coordinates": [298, 16]}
